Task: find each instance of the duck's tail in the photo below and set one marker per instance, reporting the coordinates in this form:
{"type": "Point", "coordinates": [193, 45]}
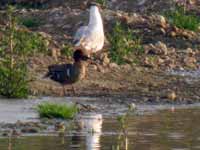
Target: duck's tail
{"type": "Point", "coordinates": [47, 75]}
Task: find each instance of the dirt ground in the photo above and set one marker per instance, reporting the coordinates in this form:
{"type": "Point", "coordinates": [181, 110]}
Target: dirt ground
{"type": "Point", "coordinates": [149, 80]}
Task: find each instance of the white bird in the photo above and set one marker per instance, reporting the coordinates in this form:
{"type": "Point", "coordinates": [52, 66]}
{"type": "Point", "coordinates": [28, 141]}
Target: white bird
{"type": "Point", "coordinates": [90, 38]}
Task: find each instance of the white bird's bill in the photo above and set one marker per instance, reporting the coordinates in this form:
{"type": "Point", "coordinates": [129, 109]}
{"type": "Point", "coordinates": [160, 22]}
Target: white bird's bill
{"type": "Point", "coordinates": [91, 38]}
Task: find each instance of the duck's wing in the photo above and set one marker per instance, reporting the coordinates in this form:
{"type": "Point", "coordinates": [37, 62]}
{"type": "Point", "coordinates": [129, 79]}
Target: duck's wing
{"type": "Point", "coordinates": [60, 73]}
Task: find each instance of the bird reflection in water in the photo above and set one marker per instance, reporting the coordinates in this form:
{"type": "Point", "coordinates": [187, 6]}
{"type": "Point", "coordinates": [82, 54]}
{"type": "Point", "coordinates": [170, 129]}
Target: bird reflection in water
{"type": "Point", "coordinates": [90, 127]}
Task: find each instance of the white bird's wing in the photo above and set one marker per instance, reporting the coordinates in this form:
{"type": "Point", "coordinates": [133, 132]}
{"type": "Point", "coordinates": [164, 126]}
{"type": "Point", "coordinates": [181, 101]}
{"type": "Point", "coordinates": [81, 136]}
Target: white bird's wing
{"type": "Point", "coordinates": [90, 39]}
{"type": "Point", "coordinates": [80, 33]}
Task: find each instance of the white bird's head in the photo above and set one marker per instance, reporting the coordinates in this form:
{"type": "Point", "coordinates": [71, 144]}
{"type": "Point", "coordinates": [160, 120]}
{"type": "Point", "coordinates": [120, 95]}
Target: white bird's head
{"type": "Point", "coordinates": [94, 6]}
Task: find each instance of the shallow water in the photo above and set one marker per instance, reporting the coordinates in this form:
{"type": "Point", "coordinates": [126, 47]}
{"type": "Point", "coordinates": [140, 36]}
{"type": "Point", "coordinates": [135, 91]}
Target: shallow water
{"type": "Point", "coordinates": [161, 127]}
{"type": "Point", "coordinates": [184, 73]}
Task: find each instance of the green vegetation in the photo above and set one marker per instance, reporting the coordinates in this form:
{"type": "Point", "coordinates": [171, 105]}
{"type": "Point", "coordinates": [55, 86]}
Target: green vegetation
{"type": "Point", "coordinates": [15, 46]}
{"type": "Point", "coordinates": [123, 44]}
{"type": "Point", "coordinates": [102, 2]}
{"type": "Point", "coordinates": [67, 51]}
{"type": "Point", "coordinates": [30, 22]}
{"type": "Point", "coordinates": [53, 110]}
{"type": "Point", "coordinates": [180, 18]}
{"type": "Point", "coordinates": [122, 142]}
{"type": "Point", "coordinates": [30, 5]}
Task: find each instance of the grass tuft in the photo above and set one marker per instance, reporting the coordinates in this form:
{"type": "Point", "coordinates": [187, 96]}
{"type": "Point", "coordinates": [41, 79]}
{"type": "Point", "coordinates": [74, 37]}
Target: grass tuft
{"type": "Point", "coordinates": [53, 110]}
{"type": "Point", "coordinates": [124, 44]}
{"type": "Point", "coordinates": [67, 51]}
{"type": "Point", "coordinates": [30, 22]}
{"type": "Point", "coordinates": [102, 2]}
{"type": "Point", "coordinates": [180, 18]}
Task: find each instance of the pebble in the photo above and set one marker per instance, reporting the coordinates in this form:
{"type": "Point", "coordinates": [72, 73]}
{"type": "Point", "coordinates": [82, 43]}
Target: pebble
{"type": "Point", "coordinates": [171, 95]}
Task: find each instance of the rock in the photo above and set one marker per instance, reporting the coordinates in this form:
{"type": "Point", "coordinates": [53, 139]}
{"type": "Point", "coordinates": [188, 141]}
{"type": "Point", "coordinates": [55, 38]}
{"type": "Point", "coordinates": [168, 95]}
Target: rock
{"type": "Point", "coordinates": [60, 126]}
{"type": "Point", "coordinates": [141, 2]}
{"type": "Point", "coordinates": [162, 21]}
{"type": "Point", "coordinates": [148, 63]}
{"type": "Point", "coordinates": [100, 69]}
{"type": "Point", "coordinates": [163, 31]}
{"type": "Point", "coordinates": [190, 52]}
{"type": "Point", "coordinates": [105, 59]}
{"type": "Point", "coordinates": [15, 133]}
{"type": "Point", "coordinates": [126, 67]}
{"type": "Point", "coordinates": [173, 34]}
{"type": "Point", "coordinates": [160, 61]}
{"type": "Point", "coordinates": [5, 133]}
{"type": "Point", "coordinates": [187, 35]}
{"type": "Point", "coordinates": [171, 95]}
{"type": "Point", "coordinates": [93, 67]}
{"type": "Point", "coordinates": [161, 48]}
{"type": "Point", "coordinates": [113, 65]}
{"type": "Point", "coordinates": [55, 53]}
{"type": "Point", "coordinates": [30, 130]}
{"type": "Point", "coordinates": [190, 62]}
{"type": "Point", "coordinates": [132, 106]}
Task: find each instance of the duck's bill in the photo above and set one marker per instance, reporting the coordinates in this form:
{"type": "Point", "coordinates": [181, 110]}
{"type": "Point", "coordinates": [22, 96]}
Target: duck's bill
{"type": "Point", "coordinates": [86, 58]}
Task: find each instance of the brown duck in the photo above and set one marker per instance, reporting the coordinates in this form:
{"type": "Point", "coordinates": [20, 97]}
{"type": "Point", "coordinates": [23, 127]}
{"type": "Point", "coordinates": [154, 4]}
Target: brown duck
{"type": "Point", "coordinates": [67, 74]}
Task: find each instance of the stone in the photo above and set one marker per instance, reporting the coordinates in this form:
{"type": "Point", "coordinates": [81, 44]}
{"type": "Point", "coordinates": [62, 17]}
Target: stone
{"type": "Point", "coordinates": [113, 65]}
{"type": "Point", "coordinates": [173, 34]}
{"type": "Point", "coordinates": [160, 60]}
{"type": "Point", "coordinates": [171, 95]}
{"type": "Point", "coordinates": [163, 31]}
{"type": "Point", "coordinates": [105, 59]}
{"type": "Point", "coordinates": [93, 67]}
{"type": "Point", "coordinates": [126, 67]}
{"type": "Point", "coordinates": [190, 62]}
{"type": "Point", "coordinates": [162, 21]}
{"type": "Point", "coordinates": [30, 130]}
{"type": "Point", "coordinates": [161, 47]}
{"type": "Point", "coordinates": [190, 52]}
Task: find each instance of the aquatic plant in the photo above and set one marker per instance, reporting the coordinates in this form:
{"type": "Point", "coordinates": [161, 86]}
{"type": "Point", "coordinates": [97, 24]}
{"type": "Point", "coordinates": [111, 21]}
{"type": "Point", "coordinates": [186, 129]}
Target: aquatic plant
{"type": "Point", "coordinates": [182, 19]}
{"type": "Point", "coordinates": [123, 121]}
{"type": "Point", "coordinates": [53, 110]}
{"type": "Point", "coordinates": [123, 44]}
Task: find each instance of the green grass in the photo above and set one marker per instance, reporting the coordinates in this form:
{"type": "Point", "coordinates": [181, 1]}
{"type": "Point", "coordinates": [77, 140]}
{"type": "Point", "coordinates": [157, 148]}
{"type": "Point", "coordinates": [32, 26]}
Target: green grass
{"type": "Point", "coordinates": [124, 44]}
{"type": "Point", "coordinates": [30, 22]}
{"type": "Point", "coordinates": [67, 51]}
{"type": "Point", "coordinates": [180, 18]}
{"type": "Point", "coordinates": [102, 2]}
{"type": "Point", "coordinates": [53, 110]}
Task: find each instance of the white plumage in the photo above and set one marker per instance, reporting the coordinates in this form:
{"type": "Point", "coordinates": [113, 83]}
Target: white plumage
{"type": "Point", "coordinates": [91, 38]}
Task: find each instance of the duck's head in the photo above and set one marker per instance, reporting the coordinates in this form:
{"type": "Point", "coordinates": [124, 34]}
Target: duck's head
{"type": "Point", "coordinates": [79, 56]}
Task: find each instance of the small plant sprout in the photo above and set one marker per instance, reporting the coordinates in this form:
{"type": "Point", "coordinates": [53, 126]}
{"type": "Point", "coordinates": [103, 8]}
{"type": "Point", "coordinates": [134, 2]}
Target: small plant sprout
{"type": "Point", "coordinates": [53, 110]}
{"type": "Point", "coordinates": [123, 121]}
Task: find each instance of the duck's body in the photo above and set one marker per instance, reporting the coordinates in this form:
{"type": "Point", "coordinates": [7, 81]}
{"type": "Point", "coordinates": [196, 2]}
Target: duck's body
{"type": "Point", "coordinates": [69, 73]}
{"type": "Point", "coordinates": [91, 38]}
{"type": "Point", "coordinates": [66, 73]}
